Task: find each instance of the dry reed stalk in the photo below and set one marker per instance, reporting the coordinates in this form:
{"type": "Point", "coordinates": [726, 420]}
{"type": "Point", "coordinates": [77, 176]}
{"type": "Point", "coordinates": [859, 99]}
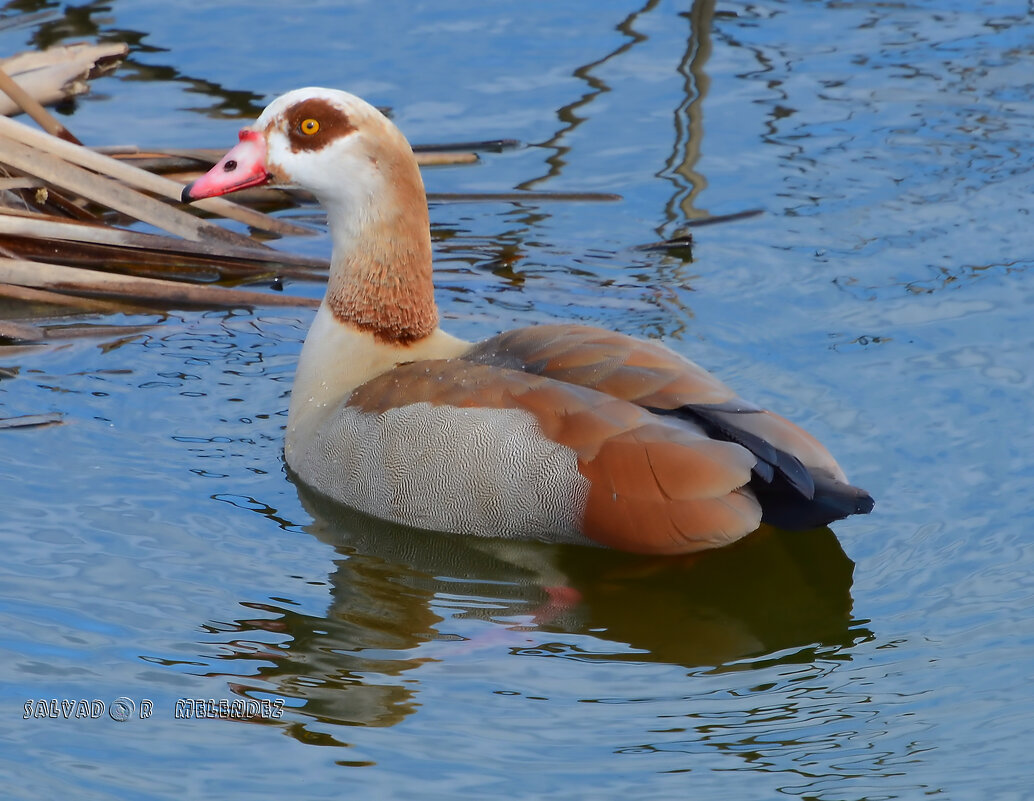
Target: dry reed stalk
{"type": "Point", "coordinates": [172, 159]}
{"type": "Point", "coordinates": [25, 294]}
{"type": "Point", "coordinates": [108, 192]}
{"type": "Point", "coordinates": [32, 107]}
{"type": "Point", "coordinates": [31, 420]}
{"type": "Point", "coordinates": [142, 179]}
{"type": "Point", "coordinates": [20, 332]}
{"type": "Point", "coordinates": [53, 230]}
{"type": "Point", "coordinates": [62, 278]}
{"type": "Point", "coordinates": [59, 72]}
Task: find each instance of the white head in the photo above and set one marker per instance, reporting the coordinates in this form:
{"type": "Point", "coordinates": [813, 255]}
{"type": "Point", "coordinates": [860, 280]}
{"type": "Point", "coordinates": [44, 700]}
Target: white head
{"type": "Point", "coordinates": [332, 143]}
{"type": "Point", "coordinates": [363, 172]}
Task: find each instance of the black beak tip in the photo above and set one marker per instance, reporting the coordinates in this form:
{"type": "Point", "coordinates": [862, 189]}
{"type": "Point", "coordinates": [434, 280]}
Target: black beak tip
{"type": "Point", "coordinates": [185, 195]}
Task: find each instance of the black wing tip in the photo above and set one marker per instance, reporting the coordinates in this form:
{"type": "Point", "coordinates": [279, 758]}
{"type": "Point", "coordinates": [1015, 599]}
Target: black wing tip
{"type": "Point", "coordinates": [791, 495]}
{"type": "Point", "coordinates": [833, 500]}
{"type": "Point", "coordinates": [865, 503]}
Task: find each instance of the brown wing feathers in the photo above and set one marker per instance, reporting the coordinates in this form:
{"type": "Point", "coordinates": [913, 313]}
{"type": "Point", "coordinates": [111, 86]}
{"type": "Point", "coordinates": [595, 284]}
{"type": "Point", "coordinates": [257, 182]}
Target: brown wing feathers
{"type": "Point", "coordinates": [797, 480]}
{"type": "Point", "coordinates": [639, 371]}
{"type": "Point", "coordinates": [652, 494]}
{"type": "Point", "coordinates": [676, 461]}
{"type": "Point", "coordinates": [657, 486]}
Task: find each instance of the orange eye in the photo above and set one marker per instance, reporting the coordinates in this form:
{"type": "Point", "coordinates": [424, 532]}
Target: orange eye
{"type": "Point", "coordinates": [309, 126]}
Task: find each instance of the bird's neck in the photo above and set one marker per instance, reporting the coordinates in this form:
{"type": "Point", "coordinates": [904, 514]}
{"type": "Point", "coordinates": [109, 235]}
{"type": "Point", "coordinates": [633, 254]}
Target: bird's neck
{"type": "Point", "coordinates": [379, 311]}
{"type": "Point", "coordinates": [380, 279]}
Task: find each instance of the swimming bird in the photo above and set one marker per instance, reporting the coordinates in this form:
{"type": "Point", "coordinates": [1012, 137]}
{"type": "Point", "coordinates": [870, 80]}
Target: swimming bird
{"type": "Point", "coordinates": [566, 433]}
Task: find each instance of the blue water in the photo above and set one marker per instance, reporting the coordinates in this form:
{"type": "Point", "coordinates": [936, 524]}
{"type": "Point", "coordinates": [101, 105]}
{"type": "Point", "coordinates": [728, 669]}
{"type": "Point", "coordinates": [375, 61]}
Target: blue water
{"type": "Point", "coordinates": [154, 548]}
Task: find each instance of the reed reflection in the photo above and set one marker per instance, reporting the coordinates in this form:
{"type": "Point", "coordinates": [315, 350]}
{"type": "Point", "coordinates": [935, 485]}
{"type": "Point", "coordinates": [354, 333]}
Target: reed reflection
{"type": "Point", "coordinates": [96, 21]}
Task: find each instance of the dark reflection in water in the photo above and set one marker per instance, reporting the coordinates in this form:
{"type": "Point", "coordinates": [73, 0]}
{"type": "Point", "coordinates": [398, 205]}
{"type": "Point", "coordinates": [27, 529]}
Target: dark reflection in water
{"type": "Point", "coordinates": [95, 21]}
{"type": "Point", "coordinates": [680, 168]}
{"type": "Point", "coordinates": [568, 114]}
{"type": "Point", "coordinates": [689, 118]}
{"type": "Point", "coordinates": [784, 596]}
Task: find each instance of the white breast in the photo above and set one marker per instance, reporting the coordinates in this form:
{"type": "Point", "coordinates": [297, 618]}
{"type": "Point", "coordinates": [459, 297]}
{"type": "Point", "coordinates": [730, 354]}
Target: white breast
{"type": "Point", "coordinates": [335, 360]}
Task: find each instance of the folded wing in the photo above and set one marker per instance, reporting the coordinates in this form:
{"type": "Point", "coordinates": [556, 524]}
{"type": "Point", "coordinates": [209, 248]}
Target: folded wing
{"type": "Point", "coordinates": [798, 482]}
{"type": "Point", "coordinates": [647, 483]}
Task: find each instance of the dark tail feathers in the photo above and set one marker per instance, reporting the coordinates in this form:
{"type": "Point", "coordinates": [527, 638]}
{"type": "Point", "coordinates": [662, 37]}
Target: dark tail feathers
{"type": "Point", "coordinates": [791, 495]}
{"type": "Point", "coordinates": [833, 500]}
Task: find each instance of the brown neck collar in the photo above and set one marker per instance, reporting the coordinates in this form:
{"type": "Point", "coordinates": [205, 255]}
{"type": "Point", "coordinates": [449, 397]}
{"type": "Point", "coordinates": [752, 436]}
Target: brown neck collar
{"type": "Point", "coordinates": [387, 291]}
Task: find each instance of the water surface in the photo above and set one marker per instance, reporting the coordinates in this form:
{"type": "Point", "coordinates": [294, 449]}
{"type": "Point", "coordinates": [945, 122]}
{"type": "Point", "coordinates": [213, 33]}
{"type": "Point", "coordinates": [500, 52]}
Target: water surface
{"type": "Point", "coordinates": [155, 549]}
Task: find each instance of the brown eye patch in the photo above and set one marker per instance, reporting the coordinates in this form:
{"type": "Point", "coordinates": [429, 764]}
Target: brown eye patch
{"type": "Point", "coordinates": [332, 124]}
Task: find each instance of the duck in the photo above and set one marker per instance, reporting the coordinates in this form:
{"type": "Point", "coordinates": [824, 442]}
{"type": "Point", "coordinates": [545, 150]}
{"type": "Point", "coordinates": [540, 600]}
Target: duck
{"type": "Point", "coordinates": [558, 432]}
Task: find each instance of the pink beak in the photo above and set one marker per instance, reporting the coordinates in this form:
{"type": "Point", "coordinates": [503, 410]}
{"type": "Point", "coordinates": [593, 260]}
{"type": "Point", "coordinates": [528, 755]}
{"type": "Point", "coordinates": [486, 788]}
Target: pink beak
{"type": "Point", "coordinates": [243, 166]}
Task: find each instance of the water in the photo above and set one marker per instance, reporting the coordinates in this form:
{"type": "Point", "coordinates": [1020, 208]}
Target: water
{"type": "Point", "coordinates": [154, 548]}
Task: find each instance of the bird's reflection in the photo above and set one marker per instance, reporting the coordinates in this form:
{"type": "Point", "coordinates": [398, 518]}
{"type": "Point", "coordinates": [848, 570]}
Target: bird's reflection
{"type": "Point", "coordinates": [398, 594]}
